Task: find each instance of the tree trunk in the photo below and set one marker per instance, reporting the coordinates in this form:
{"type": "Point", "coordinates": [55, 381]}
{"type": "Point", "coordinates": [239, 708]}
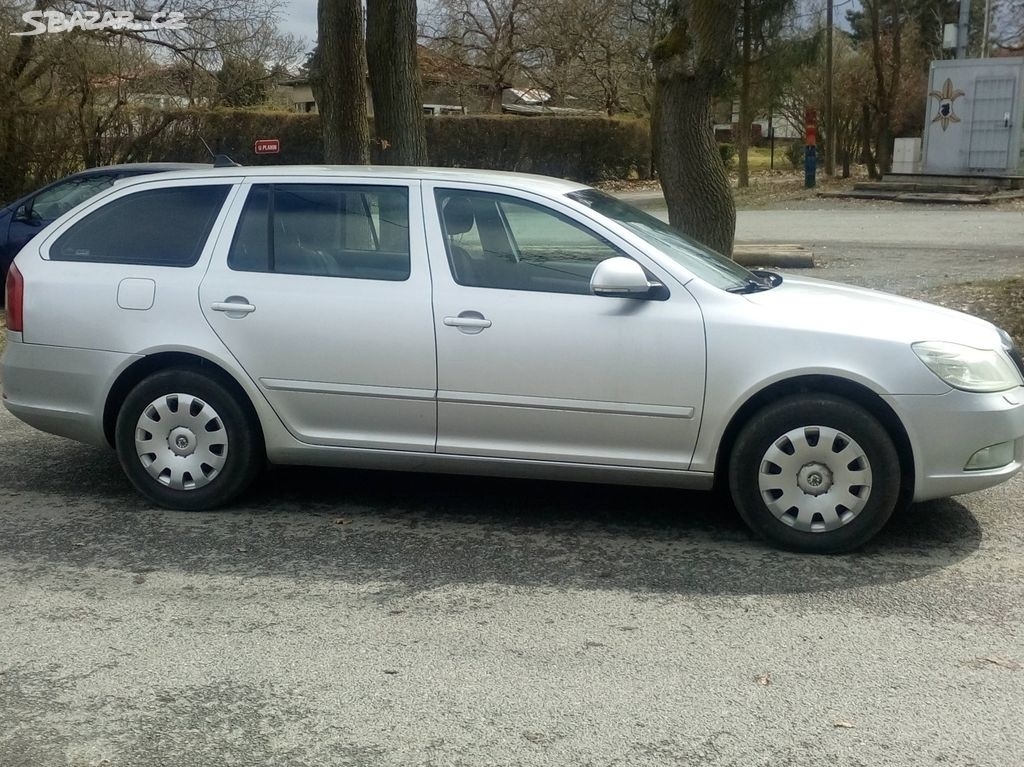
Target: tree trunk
{"type": "Point", "coordinates": [690, 166]}
{"type": "Point", "coordinates": [865, 127]}
{"type": "Point", "coordinates": [395, 82]}
{"type": "Point", "coordinates": [885, 90]}
{"type": "Point", "coordinates": [494, 102]}
{"type": "Point", "coordinates": [745, 117]}
{"type": "Point", "coordinates": [689, 65]}
{"type": "Point", "coordinates": [883, 138]}
{"type": "Point", "coordinates": [338, 77]}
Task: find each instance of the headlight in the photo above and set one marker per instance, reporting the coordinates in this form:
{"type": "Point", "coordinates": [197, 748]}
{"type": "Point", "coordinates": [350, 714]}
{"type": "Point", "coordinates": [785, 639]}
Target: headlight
{"type": "Point", "coordinates": [967, 368]}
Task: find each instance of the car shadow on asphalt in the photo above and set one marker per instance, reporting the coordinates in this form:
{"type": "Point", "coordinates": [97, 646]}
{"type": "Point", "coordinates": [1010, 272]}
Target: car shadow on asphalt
{"type": "Point", "coordinates": [426, 531]}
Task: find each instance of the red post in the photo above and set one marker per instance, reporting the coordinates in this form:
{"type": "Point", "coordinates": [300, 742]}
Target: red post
{"type": "Point", "coordinates": [810, 147]}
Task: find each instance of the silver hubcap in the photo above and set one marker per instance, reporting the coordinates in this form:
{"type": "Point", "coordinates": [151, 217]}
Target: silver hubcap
{"type": "Point", "coordinates": [815, 479]}
{"type": "Point", "coordinates": [181, 441]}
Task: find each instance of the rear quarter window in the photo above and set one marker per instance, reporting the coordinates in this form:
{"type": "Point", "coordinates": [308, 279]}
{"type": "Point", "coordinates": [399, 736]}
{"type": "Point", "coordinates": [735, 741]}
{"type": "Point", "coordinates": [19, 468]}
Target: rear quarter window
{"type": "Point", "coordinates": [156, 227]}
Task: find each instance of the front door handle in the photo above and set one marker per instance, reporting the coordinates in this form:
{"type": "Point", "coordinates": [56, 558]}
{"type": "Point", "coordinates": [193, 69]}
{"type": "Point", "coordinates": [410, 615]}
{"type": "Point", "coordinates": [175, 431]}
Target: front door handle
{"type": "Point", "coordinates": [468, 322]}
{"type": "Point", "coordinates": [235, 307]}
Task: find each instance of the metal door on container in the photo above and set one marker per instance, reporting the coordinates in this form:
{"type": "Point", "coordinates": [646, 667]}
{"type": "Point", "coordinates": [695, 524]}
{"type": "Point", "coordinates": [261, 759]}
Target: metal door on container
{"type": "Point", "coordinates": [992, 123]}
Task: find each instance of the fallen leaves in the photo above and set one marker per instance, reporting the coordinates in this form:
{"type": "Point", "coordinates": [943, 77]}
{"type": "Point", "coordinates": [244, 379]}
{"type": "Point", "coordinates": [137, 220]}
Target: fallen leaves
{"type": "Point", "coordinates": [764, 679]}
{"type": "Point", "coordinates": [842, 724]}
{"type": "Point", "coordinates": [1001, 302]}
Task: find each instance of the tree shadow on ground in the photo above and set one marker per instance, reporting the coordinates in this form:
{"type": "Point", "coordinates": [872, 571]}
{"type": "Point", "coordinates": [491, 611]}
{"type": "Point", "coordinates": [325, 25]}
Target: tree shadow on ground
{"type": "Point", "coordinates": [426, 531]}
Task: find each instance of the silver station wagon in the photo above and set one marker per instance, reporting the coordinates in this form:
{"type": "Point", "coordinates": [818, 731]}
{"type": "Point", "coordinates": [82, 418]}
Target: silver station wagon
{"type": "Point", "coordinates": [204, 322]}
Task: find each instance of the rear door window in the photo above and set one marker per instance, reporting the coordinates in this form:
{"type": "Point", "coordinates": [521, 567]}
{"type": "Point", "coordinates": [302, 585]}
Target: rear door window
{"type": "Point", "coordinates": [157, 227]}
{"type": "Point", "coordinates": [324, 230]}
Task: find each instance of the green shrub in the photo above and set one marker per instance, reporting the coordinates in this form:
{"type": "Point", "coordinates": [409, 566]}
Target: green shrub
{"type": "Point", "coordinates": [728, 153]}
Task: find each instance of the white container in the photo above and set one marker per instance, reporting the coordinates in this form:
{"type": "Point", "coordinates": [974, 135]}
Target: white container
{"type": "Point", "coordinates": [974, 123]}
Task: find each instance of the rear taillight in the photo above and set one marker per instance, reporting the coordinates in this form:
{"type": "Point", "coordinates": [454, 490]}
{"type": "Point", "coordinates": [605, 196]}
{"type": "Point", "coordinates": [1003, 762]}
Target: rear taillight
{"type": "Point", "coordinates": [15, 298]}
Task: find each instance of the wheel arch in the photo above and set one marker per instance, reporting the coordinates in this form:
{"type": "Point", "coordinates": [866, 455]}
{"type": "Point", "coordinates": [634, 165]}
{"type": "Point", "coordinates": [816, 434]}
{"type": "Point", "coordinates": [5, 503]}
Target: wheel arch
{"type": "Point", "coordinates": [822, 384]}
{"type": "Point", "coordinates": [130, 377]}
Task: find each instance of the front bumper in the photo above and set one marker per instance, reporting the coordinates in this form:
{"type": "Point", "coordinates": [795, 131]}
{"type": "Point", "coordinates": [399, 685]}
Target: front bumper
{"type": "Point", "coordinates": [59, 390]}
{"type": "Point", "coordinates": [946, 430]}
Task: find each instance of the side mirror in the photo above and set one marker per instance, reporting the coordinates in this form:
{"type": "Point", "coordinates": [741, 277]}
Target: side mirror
{"type": "Point", "coordinates": [23, 216]}
{"type": "Point", "coordinates": [622, 277]}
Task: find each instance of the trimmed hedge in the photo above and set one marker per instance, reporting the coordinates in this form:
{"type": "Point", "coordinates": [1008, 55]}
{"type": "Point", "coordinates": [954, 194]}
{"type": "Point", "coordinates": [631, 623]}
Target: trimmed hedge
{"type": "Point", "coordinates": [232, 132]}
{"type": "Point", "coordinates": [580, 148]}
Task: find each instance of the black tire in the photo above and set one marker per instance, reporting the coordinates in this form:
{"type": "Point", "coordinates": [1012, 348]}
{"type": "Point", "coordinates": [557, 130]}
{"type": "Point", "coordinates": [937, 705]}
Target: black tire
{"type": "Point", "coordinates": [237, 436]}
{"type": "Point", "coordinates": [839, 420]}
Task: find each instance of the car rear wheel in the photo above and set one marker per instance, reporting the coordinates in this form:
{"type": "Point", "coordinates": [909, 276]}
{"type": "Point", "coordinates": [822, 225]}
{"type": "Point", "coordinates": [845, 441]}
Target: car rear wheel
{"type": "Point", "coordinates": [815, 473]}
{"type": "Point", "coordinates": [186, 442]}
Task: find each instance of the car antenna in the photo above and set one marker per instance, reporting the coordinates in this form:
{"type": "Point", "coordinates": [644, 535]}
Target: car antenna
{"type": "Point", "coordinates": [220, 160]}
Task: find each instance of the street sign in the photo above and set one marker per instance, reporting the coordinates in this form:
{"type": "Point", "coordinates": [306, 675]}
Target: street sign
{"type": "Point", "coordinates": [267, 146]}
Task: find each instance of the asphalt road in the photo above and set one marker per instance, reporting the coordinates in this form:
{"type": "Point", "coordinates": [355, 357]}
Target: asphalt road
{"type": "Point", "coordinates": [884, 245]}
{"type": "Point", "coordinates": [894, 246]}
{"type": "Point", "coordinates": [355, 618]}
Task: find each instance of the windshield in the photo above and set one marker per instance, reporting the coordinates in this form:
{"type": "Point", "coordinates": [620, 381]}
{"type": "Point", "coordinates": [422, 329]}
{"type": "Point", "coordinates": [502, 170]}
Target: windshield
{"type": "Point", "coordinates": [697, 259]}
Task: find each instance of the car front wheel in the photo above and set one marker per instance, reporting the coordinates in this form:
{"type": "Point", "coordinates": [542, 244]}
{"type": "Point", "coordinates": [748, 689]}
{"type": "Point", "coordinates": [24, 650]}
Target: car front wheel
{"type": "Point", "coordinates": [185, 442]}
{"type": "Point", "coordinates": [815, 473]}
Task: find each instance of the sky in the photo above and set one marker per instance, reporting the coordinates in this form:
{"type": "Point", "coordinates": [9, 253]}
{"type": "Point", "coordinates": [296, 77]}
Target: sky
{"type": "Point", "coordinates": [300, 20]}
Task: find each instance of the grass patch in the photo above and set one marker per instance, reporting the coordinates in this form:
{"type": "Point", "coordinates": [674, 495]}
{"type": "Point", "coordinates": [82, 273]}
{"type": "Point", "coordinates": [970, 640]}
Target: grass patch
{"type": "Point", "coordinates": [769, 188]}
{"type": "Point", "coordinates": [760, 158]}
{"type": "Point", "coordinates": [1001, 302]}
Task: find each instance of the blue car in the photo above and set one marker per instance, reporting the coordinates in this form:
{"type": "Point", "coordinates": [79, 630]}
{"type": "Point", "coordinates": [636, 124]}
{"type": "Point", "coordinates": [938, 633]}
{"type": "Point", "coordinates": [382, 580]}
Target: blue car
{"type": "Point", "coordinates": [25, 218]}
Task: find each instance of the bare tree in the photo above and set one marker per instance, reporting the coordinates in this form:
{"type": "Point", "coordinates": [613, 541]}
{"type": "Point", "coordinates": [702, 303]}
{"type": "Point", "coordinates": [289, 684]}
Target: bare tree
{"type": "Point", "coordinates": [885, 23]}
{"type": "Point", "coordinates": [493, 36]}
{"type": "Point", "coordinates": [690, 64]}
{"type": "Point", "coordinates": [853, 68]}
{"type": "Point", "coordinates": [761, 43]}
{"type": "Point", "coordinates": [1008, 26]}
{"type": "Point", "coordinates": [72, 99]}
{"type": "Point", "coordinates": [395, 81]}
{"type": "Point", "coordinates": [585, 52]}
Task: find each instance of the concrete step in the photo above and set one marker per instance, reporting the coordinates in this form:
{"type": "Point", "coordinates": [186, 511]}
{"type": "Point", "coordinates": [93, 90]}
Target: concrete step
{"type": "Point", "coordinates": [861, 194]}
{"type": "Point", "coordinates": [947, 198]}
{"type": "Point", "coordinates": [920, 186]}
{"type": "Point", "coordinates": [1007, 182]}
{"type": "Point", "coordinates": [783, 256]}
{"type": "Point", "coordinates": [943, 198]}
{"type": "Point", "coordinates": [885, 186]}
{"type": "Point", "coordinates": [1009, 194]}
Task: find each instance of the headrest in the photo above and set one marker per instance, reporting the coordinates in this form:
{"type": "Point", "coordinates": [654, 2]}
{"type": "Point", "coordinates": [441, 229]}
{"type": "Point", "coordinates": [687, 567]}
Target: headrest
{"type": "Point", "coordinates": [458, 216]}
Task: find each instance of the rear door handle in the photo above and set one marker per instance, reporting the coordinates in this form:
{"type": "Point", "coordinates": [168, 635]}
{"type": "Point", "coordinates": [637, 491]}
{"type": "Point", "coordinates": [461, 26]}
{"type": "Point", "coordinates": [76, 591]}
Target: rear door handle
{"type": "Point", "coordinates": [234, 306]}
{"type": "Point", "coordinates": [467, 322]}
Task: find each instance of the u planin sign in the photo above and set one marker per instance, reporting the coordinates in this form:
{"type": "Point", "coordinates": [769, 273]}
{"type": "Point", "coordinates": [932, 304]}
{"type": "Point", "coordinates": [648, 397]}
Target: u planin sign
{"type": "Point", "coordinates": [267, 146]}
